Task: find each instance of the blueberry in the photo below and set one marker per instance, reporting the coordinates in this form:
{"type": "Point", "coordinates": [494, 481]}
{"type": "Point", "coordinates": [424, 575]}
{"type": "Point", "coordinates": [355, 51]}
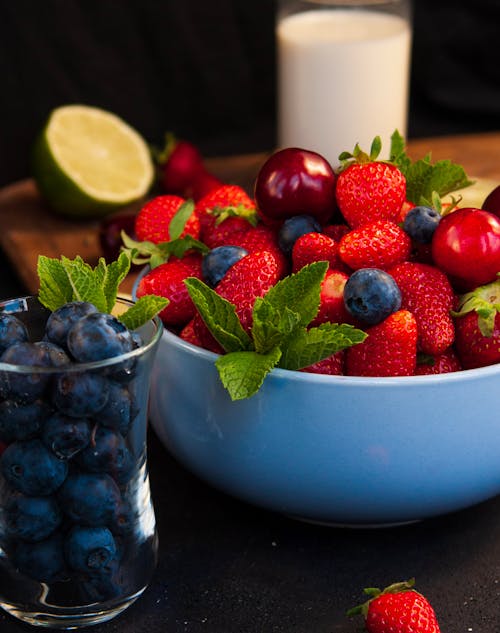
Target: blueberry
{"type": "Point", "coordinates": [66, 436]}
{"type": "Point", "coordinates": [32, 468]}
{"type": "Point", "coordinates": [420, 223]}
{"type": "Point", "coordinates": [89, 549]}
{"type": "Point", "coordinates": [97, 337]}
{"type": "Point", "coordinates": [118, 412]}
{"type": "Point", "coordinates": [124, 520]}
{"type": "Point", "coordinates": [293, 228]}
{"type": "Point", "coordinates": [80, 394]}
{"type": "Point", "coordinates": [42, 561]}
{"type": "Point", "coordinates": [90, 499]}
{"type": "Point", "coordinates": [371, 295]}
{"type": "Point", "coordinates": [22, 421]}
{"type": "Point", "coordinates": [12, 330]}
{"type": "Point", "coordinates": [104, 584]}
{"type": "Point", "coordinates": [31, 518]}
{"type": "Point", "coordinates": [107, 453]}
{"type": "Point", "coordinates": [26, 386]}
{"type": "Point", "coordinates": [61, 320]}
{"type": "Point", "coordinates": [218, 261]}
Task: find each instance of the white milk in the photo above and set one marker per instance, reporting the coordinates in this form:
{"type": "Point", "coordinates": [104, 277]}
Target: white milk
{"type": "Point", "coordinates": [343, 79]}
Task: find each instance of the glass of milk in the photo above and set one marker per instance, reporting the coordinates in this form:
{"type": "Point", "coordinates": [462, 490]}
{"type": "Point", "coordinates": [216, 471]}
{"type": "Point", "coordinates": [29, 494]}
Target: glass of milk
{"type": "Point", "coordinates": [343, 73]}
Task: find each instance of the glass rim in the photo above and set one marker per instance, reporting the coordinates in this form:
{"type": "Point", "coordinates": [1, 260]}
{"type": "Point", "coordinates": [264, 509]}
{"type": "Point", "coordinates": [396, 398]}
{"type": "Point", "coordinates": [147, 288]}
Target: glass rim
{"type": "Point", "coordinates": [74, 366]}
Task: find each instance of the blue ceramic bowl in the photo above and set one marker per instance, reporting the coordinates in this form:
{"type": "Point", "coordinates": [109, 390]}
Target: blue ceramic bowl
{"type": "Point", "coordinates": [333, 449]}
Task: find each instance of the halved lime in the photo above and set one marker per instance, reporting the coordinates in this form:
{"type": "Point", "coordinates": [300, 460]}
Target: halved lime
{"type": "Point", "coordinates": [88, 162]}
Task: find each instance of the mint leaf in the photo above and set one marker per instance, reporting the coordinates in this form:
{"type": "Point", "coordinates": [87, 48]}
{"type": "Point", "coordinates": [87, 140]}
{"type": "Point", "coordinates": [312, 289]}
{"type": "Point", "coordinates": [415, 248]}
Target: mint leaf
{"type": "Point", "coordinates": [85, 282]}
{"type": "Point", "coordinates": [178, 222]}
{"type": "Point", "coordinates": [310, 346]}
{"type": "Point", "coordinates": [55, 288]}
{"type": "Point", "coordinates": [111, 277]}
{"type": "Point", "coordinates": [271, 326]}
{"type": "Point", "coordinates": [242, 373]}
{"type": "Point", "coordinates": [144, 309]}
{"type": "Point", "coordinates": [155, 254]}
{"type": "Point", "coordinates": [398, 146]}
{"type": "Point", "coordinates": [219, 316]}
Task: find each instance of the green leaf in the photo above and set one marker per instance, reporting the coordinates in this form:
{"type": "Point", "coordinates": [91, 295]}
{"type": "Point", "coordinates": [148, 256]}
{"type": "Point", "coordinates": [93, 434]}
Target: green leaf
{"type": "Point", "coordinates": [397, 145]}
{"type": "Point", "coordinates": [219, 316]}
{"type": "Point", "coordinates": [485, 301]}
{"type": "Point", "coordinates": [157, 254]}
{"type": "Point", "coordinates": [143, 310]}
{"type": "Point", "coordinates": [375, 148]}
{"type": "Point", "coordinates": [178, 222]}
{"type": "Point", "coordinates": [55, 288]}
{"type": "Point", "coordinates": [85, 282]}
{"type": "Point", "coordinates": [242, 373]}
{"type": "Point", "coordinates": [272, 326]}
{"type": "Point", "coordinates": [310, 346]}
{"type": "Point", "coordinates": [111, 277]}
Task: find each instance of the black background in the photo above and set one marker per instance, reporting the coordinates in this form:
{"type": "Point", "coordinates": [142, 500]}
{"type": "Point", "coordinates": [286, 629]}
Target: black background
{"type": "Point", "coordinates": [206, 70]}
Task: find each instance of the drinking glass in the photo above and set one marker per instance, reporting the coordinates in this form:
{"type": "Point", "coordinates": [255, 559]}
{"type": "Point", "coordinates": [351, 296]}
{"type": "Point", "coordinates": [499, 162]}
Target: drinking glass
{"type": "Point", "coordinates": [343, 73]}
{"type": "Point", "coordinates": [78, 539]}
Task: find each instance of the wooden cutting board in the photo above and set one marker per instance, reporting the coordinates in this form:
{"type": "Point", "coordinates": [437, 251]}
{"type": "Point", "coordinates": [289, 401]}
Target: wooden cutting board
{"type": "Point", "coordinates": [28, 228]}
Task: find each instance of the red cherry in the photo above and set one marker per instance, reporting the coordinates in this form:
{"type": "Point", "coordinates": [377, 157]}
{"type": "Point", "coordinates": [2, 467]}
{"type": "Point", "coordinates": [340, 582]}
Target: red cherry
{"type": "Point", "coordinates": [492, 202]}
{"type": "Point", "coordinates": [466, 246]}
{"type": "Point", "coordinates": [295, 181]}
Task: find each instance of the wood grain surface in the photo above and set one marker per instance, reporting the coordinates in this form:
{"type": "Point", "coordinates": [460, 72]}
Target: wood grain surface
{"type": "Point", "coordinates": [28, 228]}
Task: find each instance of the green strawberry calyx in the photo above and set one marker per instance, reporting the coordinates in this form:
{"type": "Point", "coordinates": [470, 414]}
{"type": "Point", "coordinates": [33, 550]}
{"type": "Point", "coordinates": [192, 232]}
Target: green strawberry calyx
{"type": "Point", "coordinates": [240, 211]}
{"type": "Point", "coordinates": [153, 254]}
{"type": "Point", "coordinates": [485, 301]}
{"type": "Point", "coordinates": [64, 280]}
{"type": "Point", "coordinates": [279, 337]}
{"type": "Point", "coordinates": [375, 592]}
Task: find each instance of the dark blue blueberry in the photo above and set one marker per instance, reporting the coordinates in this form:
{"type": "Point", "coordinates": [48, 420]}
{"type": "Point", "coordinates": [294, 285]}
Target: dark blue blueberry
{"type": "Point", "coordinates": [22, 421]}
{"type": "Point", "coordinates": [117, 412]}
{"type": "Point", "coordinates": [218, 261]}
{"type": "Point", "coordinates": [30, 467]}
{"type": "Point", "coordinates": [89, 549]}
{"type": "Point", "coordinates": [107, 453]}
{"type": "Point", "coordinates": [66, 436]}
{"type": "Point", "coordinates": [25, 386]}
{"type": "Point", "coordinates": [97, 337]}
{"type": "Point", "coordinates": [371, 295]}
{"type": "Point", "coordinates": [42, 561]}
{"type": "Point", "coordinates": [80, 395]}
{"type": "Point", "coordinates": [62, 320]}
{"type": "Point", "coordinates": [293, 228]}
{"type": "Point", "coordinates": [90, 499]}
{"type": "Point", "coordinates": [125, 519]}
{"type": "Point", "coordinates": [420, 223]}
{"type": "Point", "coordinates": [103, 585]}
{"type": "Point", "coordinates": [12, 330]}
{"type": "Point", "coordinates": [31, 518]}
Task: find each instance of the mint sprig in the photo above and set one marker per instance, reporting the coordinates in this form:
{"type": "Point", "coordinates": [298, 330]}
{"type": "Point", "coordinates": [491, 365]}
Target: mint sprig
{"type": "Point", "coordinates": [280, 335]}
{"type": "Point", "coordinates": [63, 280]}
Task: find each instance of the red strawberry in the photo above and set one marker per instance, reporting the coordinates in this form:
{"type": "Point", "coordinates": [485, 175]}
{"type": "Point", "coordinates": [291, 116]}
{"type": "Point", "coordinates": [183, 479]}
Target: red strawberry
{"type": "Point", "coordinates": [444, 363]}
{"type": "Point", "coordinates": [203, 184]}
{"type": "Point", "coordinates": [263, 238]}
{"type": "Point", "coordinates": [390, 349]}
{"type": "Point", "coordinates": [153, 220]}
{"type": "Point", "coordinates": [180, 162]}
{"type": "Point", "coordinates": [228, 199]}
{"type": "Point", "coordinates": [189, 335]}
{"type": "Point", "coordinates": [336, 231]}
{"type": "Point", "coordinates": [379, 244]}
{"type": "Point", "coordinates": [314, 247]}
{"type": "Point", "coordinates": [369, 191]}
{"type": "Point", "coordinates": [167, 280]}
{"type": "Point", "coordinates": [477, 324]}
{"type": "Point", "coordinates": [229, 231]}
{"type": "Point", "coordinates": [332, 365]}
{"type": "Point", "coordinates": [331, 306]}
{"type": "Point", "coordinates": [397, 609]}
{"type": "Point", "coordinates": [427, 293]}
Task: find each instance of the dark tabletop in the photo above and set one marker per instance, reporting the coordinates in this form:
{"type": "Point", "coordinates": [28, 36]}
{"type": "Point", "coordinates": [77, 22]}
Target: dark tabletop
{"type": "Point", "coordinates": [227, 567]}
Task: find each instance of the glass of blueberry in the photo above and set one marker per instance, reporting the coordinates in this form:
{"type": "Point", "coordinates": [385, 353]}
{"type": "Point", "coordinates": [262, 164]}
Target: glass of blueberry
{"type": "Point", "coordinates": [78, 540]}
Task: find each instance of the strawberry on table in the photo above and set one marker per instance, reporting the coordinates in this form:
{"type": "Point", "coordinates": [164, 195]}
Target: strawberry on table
{"type": "Point", "coordinates": [397, 609]}
{"type": "Point", "coordinates": [378, 244]}
{"type": "Point", "coordinates": [427, 293]}
{"type": "Point", "coordinates": [152, 223]}
{"type": "Point", "coordinates": [390, 348]}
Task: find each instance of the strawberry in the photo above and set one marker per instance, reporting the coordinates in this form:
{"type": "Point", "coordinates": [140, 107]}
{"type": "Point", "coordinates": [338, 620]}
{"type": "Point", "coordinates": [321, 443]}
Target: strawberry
{"type": "Point", "coordinates": [477, 324]}
{"type": "Point", "coordinates": [331, 302]}
{"type": "Point", "coordinates": [203, 184]}
{"type": "Point", "coordinates": [314, 247]}
{"type": "Point", "coordinates": [390, 348]}
{"type": "Point", "coordinates": [152, 223]}
{"type": "Point", "coordinates": [379, 244]}
{"type": "Point", "coordinates": [397, 609]}
{"type": "Point", "coordinates": [180, 163]}
{"type": "Point", "coordinates": [369, 191]}
{"type": "Point", "coordinates": [167, 280]}
{"type": "Point", "coordinates": [427, 293]}
{"type": "Point", "coordinates": [332, 365]}
{"type": "Point", "coordinates": [336, 231]}
{"type": "Point", "coordinates": [220, 203]}
{"type": "Point", "coordinates": [444, 363]}
{"type": "Point", "coordinates": [188, 334]}
{"type": "Point", "coordinates": [229, 231]}
{"type": "Point", "coordinates": [263, 238]}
